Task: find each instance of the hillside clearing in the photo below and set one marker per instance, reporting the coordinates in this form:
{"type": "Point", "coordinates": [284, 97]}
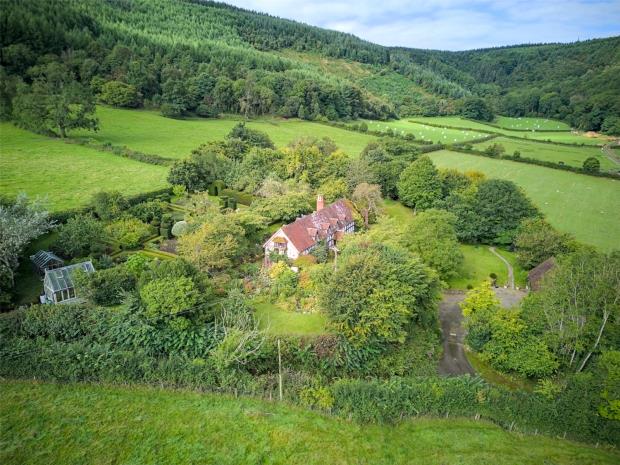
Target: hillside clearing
{"type": "Point", "coordinates": [149, 132]}
{"type": "Point", "coordinates": [76, 424]}
{"type": "Point", "coordinates": [68, 174]}
{"type": "Point", "coordinates": [584, 206]}
{"type": "Point", "coordinates": [518, 123]}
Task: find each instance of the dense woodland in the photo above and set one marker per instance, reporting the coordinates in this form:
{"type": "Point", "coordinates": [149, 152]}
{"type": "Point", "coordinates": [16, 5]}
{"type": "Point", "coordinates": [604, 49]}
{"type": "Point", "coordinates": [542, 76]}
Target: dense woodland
{"type": "Point", "coordinates": [215, 59]}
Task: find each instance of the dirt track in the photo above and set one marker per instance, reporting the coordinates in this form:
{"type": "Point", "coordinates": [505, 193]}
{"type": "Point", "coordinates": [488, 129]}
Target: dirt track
{"type": "Point", "coordinates": [454, 361]}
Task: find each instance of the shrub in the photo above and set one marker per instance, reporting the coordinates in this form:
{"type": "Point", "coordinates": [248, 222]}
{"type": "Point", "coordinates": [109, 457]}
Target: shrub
{"type": "Point", "coordinates": [82, 235]}
{"type": "Point", "coordinates": [128, 232]}
{"type": "Point", "coordinates": [109, 205]}
{"type": "Point", "coordinates": [169, 296]}
{"type": "Point", "coordinates": [148, 211]}
{"type": "Point", "coordinates": [180, 228]}
{"type": "Point", "coordinates": [591, 165]}
{"type": "Point", "coordinates": [105, 287]}
{"type": "Point", "coordinates": [119, 94]}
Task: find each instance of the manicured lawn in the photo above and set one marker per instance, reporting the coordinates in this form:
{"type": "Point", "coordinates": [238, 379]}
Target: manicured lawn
{"type": "Point", "coordinates": [479, 263]}
{"type": "Point", "coordinates": [569, 155]}
{"type": "Point", "coordinates": [508, 122]}
{"type": "Point", "coordinates": [80, 424]}
{"type": "Point", "coordinates": [424, 132]}
{"type": "Point", "coordinates": [562, 136]}
{"type": "Point", "coordinates": [397, 210]}
{"type": "Point", "coordinates": [278, 320]}
{"type": "Point", "coordinates": [68, 174]}
{"type": "Point", "coordinates": [584, 206]}
{"type": "Point", "coordinates": [149, 132]}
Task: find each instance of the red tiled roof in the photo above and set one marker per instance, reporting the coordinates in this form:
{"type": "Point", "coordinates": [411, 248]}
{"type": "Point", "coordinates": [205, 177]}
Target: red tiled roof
{"type": "Point", "coordinates": [303, 231]}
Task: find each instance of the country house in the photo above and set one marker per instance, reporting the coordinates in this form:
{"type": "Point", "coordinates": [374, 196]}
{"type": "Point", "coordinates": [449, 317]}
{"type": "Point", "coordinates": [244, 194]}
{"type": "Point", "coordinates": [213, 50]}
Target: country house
{"type": "Point", "coordinates": [327, 223]}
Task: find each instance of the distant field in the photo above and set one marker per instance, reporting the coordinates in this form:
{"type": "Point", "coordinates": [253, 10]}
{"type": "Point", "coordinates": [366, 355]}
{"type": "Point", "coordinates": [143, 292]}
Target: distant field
{"type": "Point", "coordinates": [68, 174]}
{"type": "Point", "coordinates": [280, 321]}
{"type": "Point", "coordinates": [566, 137]}
{"type": "Point", "coordinates": [149, 132]}
{"type": "Point", "coordinates": [544, 124]}
{"type": "Point", "coordinates": [572, 156]}
{"type": "Point", "coordinates": [424, 132]}
{"type": "Point", "coordinates": [73, 424]}
{"type": "Point", "coordinates": [584, 206]}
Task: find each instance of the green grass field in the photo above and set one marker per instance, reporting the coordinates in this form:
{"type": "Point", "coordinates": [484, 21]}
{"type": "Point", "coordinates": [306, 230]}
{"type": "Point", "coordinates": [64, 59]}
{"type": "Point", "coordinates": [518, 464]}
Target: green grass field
{"type": "Point", "coordinates": [566, 137]}
{"type": "Point", "coordinates": [424, 132]}
{"type": "Point", "coordinates": [68, 174]}
{"type": "Point", "coordinates": [279, 321]}
{"type": "Point", "coordinates": [572, 156]}
{"type": "Point", "coordinates": [544, 124]}
{"type": "Point", "coordinates": [81, 424]}
{"type": "Point", "coordinates": [149, 132]}
{"type": "Point", "coordinates": [584, 206]}
{"type": "Point", "coordinates": [479, 263]}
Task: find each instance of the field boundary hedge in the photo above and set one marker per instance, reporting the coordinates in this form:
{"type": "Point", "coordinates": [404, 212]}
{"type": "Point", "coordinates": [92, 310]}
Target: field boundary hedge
{"type": "Point", "coordinates": [535, 161]}
{"type": "Point", "coordinates": [124, 152]}
{"type": "Point", "coordinates": [62, 216]}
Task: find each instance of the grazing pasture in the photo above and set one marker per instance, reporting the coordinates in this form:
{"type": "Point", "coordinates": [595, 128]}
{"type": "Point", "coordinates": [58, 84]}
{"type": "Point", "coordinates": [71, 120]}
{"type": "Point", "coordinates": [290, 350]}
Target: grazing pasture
{"type": "Point", "coordinates": [561, 136]}
{"type": "Point", "coordinates": [77, 423]}
{"type": "Point", "coordinates": [149, 132]}
{"type": "Point", "coordinates": [569, 155]}
{"type": "Point", "coordinates": [528, 124]}
{"type": "Point", "coordinates": [584, 206]}
{"type": "Point", "coordinates": [424, 132]}
{"type": "Point", "coordinates": [68, 174]}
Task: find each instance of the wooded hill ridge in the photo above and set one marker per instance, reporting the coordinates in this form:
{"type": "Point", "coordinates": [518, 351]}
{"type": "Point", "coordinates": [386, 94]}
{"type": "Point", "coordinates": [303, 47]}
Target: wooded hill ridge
{"type": "Point", "coordinates": [204, 58]}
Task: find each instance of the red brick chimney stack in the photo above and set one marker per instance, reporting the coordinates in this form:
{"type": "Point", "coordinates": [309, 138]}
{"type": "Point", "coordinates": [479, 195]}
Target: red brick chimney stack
{"type": "Point", "coordinates": [320, 202]}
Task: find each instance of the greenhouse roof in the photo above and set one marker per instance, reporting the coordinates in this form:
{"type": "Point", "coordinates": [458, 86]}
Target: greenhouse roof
{"type": "Point", "coordinates": [60, 278]}
{"type": "Point", "coordinates": [43, 257]}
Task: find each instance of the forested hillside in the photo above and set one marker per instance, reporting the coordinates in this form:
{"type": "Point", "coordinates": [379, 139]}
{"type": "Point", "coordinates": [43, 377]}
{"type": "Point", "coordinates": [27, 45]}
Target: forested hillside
{"type": "Point", "coordinates": [204, 58]}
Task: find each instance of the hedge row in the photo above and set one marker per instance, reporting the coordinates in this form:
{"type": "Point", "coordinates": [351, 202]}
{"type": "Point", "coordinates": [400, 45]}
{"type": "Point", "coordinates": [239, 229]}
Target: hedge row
{"type": "Point", "coordinates": [123, 152]}
{"type": "Point", "coordinates": [535, 161]}
{"type": "Point", "coordinates": [63, 216]}
{"type": "Point", "coordinates": [572, 413]}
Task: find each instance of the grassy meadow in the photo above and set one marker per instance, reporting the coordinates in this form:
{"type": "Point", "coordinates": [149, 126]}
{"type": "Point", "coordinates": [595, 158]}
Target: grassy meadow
{"type": "Point", "coordinates": [584, 206]}
{"type": "Point", "coordinates": [79, 424]}
{"type": "Point", "coordinates": [149, 132]}
{"type": "Point", "coordinates": [424, 132]}
{"type": "Point", "coordinates": [572, 156]}
{"type": "Point", "coordinates": [68, 174]}
{"type": "Point", "coordinates": [560, 136]}
{"type": "Point", "coordinates": [528, 124]}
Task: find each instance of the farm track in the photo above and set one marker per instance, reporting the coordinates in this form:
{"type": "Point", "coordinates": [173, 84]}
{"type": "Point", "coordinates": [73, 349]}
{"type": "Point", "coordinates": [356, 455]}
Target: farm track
{"type": "Point", "coordinates": [610, 154]}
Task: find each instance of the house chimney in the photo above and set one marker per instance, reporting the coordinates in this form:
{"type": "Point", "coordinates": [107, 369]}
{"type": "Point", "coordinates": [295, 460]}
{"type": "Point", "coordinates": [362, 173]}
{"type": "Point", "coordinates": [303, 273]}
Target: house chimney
{"type": "Point", "coordinates": [320, 202]}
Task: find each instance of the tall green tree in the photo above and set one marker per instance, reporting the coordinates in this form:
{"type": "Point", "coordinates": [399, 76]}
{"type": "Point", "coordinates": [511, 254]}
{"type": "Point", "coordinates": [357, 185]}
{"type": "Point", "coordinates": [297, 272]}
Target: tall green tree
{"type": "Point", "coordinates": [55, 102]}
{"type": "Point", "coordinates": [419, 186]}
